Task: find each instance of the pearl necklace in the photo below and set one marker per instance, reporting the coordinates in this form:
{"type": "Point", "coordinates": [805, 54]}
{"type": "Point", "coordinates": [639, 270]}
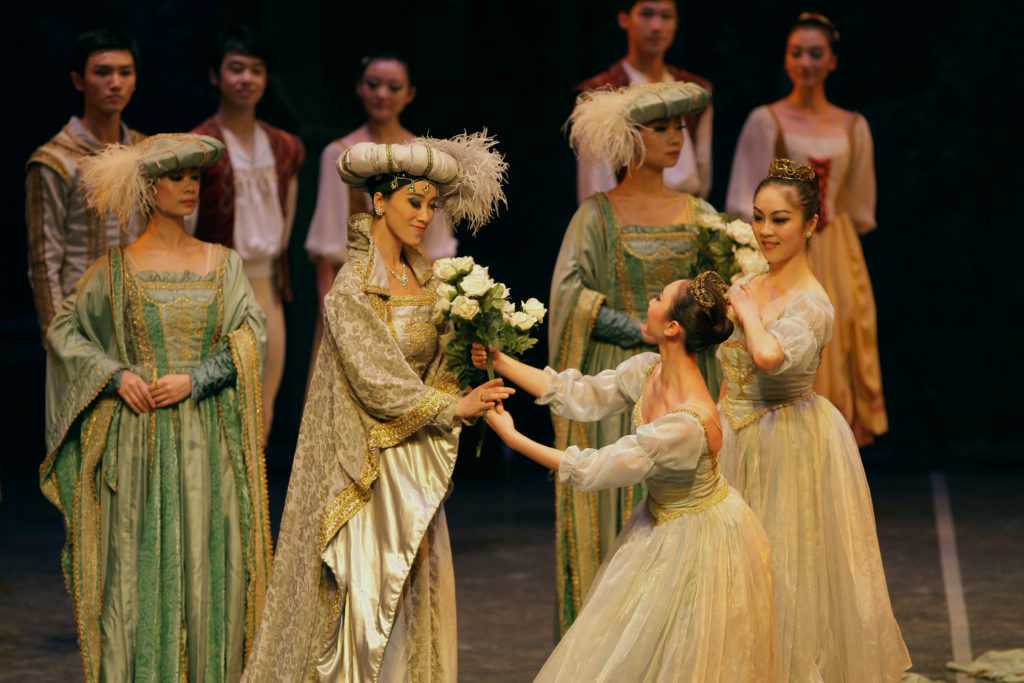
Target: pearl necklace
{"type": "Point", "coordinates": [403, 279]}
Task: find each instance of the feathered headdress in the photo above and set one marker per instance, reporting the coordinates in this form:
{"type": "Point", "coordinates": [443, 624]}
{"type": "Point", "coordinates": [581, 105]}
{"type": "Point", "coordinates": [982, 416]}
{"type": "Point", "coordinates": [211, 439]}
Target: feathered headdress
{"type": "Point", "coordinates": [119, 179]}
{"type": "Point", "coordinates": [467, 168]}
{"type": "Point", "coordinates": [605, 123]}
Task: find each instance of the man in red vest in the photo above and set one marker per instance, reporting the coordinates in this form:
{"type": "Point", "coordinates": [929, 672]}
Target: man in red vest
{"type": "Point", "coordinates": [650, 27]}
{"type": "Point", "coordinates": [247, 199]}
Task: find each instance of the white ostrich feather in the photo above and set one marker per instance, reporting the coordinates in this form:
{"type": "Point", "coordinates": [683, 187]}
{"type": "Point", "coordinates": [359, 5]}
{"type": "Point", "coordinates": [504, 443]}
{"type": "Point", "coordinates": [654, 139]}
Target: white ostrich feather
{"type": "Point", "coordinates": [475, 196]}
{"type": "Point", "coordinates": [602, 130]}
{"type": "Point", "coordinates": [114, 182]}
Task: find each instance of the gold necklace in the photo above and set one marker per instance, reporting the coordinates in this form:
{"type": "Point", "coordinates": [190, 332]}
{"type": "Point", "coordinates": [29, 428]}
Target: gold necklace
{"type": "Point", "coordinates": [403, 279]}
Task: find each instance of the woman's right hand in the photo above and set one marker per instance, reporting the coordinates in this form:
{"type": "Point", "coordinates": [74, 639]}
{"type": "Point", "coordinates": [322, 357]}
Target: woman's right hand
{"type": "Point", "coordinates": [500, 420]}
{"type": "Point", "coordinates": [485, 397]}
{"type": "Point", "coordinates": [479, 356]}
{"type": "Point", "coordinates": [135, 392]}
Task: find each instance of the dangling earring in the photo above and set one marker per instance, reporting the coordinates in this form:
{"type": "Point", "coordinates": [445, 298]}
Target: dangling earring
{"type": "Point", "coordinates": [378, 212]}
{"type": "Point", "coordinates": [807, 234]}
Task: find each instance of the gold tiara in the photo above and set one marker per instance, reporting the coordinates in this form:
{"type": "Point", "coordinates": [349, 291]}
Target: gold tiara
{"type": "Point", "coordinates": [703, 287]}
{"type": "Point", "coordinates": [788, 169]}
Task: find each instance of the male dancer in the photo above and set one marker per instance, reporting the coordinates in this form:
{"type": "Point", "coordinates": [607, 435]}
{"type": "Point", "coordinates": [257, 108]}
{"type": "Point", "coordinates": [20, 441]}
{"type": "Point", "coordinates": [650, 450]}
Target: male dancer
{"type": "Point", "coordinates": [247, 199]}
{"type": "Point", "coordinates": [650, 27]}
{"type": "Point", "coordinates": [64, 235]}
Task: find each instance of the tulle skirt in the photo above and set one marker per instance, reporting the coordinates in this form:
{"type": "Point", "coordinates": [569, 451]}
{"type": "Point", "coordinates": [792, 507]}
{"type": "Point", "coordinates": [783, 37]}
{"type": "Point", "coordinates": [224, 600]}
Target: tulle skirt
{"type": "Point", "coordinates": [800, 471]}
{"type": "Point", "coordinates": [687, 600]}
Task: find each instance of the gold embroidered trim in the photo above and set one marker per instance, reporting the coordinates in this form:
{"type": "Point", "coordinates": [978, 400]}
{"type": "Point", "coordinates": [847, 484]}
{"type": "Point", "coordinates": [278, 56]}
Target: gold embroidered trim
{"type": "Point", "coordinates": [348, 502]}
{"type": "Point", "coordinates": [737, 425]}
{"type": "Point", "coordinates": [434, 401]}
{"type": "Point", "coordinates": [662, 516]}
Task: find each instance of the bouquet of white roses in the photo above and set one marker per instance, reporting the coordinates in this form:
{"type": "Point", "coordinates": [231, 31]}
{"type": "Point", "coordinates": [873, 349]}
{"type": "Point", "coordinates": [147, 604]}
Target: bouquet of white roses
{"type": "Point", "coordinates": [728, 247]}
{"type": "Point", "coordinates": [480, 312]}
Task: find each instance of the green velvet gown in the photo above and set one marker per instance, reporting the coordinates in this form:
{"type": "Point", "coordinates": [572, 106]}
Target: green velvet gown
{"type": "Point", "coordinates": [168, 549]}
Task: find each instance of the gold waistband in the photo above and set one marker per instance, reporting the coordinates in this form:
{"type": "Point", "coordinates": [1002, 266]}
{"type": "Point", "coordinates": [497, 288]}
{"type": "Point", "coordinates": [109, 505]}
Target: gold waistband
{"type": "Point", "coordinates": [766, 407]}
{"type": "Point", "coordinates": [661, 514]}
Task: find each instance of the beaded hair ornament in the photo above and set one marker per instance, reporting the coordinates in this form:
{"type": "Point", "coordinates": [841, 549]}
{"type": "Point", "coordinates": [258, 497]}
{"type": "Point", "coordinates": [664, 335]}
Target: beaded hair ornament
{"type": "Point", "coordinates": [703, 287]}
{"type": "Point", "coordinates": [787, 169]}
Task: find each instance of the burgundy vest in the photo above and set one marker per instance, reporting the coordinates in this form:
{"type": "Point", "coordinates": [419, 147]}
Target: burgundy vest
{"type": "Point", "coordinates": [216, 221]}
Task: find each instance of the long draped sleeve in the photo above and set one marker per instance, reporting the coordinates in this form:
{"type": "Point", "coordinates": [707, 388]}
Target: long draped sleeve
{"type": "Point", "coordinates": [576, 296]}
{"type": "Point", "coordinates": [328, 236]}
{"type": "Point", "coordinates": [674, 441]}
{"type": "Point", "coordinates": [379, 378]}
{"type": "Point", "coordinates": [858, 196]}
{"type": "Point", "coordinates": [803, 329]}
{"type": "Point", "coordinates": [754, 153]}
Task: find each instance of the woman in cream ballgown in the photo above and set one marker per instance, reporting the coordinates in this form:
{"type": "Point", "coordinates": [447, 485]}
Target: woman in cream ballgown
{"type": "Point", "coordinates": [685, 593]}
{"type": "Point", "coordinates": [792, 456]}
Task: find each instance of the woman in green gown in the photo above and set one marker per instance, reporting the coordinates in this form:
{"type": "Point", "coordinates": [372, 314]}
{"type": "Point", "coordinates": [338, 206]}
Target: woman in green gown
{"type": "Point", "coordinates": [153, 433]}
{"type": "Point", "coordinates": [621, 248]}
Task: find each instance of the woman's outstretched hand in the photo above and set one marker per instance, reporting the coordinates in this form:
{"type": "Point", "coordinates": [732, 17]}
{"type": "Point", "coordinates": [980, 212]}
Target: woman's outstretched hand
{"type": "Point", "coordinates": [479, 356]}
{"type": "Point", "coordinates": [500, 420]}
{"type": "Point", "coordinates": [485, 397]}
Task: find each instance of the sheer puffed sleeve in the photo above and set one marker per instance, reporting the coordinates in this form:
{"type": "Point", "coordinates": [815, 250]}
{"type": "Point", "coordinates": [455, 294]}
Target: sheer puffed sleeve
{"type": "Point", "coordinates": [328, 232]}
{"type": "Point", "coordinates": [754, 152]}
{"type": "Point", "coordinates": [859, 195]}
{"type": "Point", "coordinates": [586, 398]}
{"type": "Point", "coordinates": [672, 442]}
{"type": "Point", "coordinates": [803, 329]}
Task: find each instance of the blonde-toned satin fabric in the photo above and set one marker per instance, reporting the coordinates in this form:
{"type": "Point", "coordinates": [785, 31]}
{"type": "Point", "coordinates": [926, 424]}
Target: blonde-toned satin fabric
{"type": "Point", "coordinates": [792, 456]}
{"type": "Point", "coordinates": [372, 465]}
{"type": "Point", "coordinates": [687, 598]}
{"type": "Point", "coordinates": [850, 374]}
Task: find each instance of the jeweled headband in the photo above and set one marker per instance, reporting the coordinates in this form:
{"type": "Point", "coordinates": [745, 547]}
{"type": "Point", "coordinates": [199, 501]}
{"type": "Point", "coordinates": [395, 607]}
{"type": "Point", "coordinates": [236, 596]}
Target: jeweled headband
{"type": "Point", "coordinates": [787, 169]}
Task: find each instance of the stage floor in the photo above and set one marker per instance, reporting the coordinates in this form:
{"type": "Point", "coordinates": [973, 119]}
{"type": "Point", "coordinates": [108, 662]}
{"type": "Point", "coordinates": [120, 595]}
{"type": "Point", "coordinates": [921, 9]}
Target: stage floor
{"type": "Point", "coordinates": [502, 540]}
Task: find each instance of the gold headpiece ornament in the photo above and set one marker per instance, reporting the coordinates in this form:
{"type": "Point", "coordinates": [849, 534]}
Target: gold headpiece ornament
{"type": "Point", "coordinates": [787, 169]}
{"type": "Point", "coordinates": [703, 286]}
{"type": "Point", "coordinates": [820, 19]}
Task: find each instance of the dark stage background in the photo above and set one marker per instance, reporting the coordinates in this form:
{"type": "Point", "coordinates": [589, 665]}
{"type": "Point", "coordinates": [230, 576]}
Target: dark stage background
{"type": "Point", "coordinates": [939, 88]}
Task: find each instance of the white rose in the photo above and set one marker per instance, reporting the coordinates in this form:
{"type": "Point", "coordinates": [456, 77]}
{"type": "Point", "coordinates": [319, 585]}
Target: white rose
{"type": "Point", "coordinates": [710, 220]}
{"type": "Point", "coordinates": [441, 306]}
{"type": "Point", "coordinates": [522, 321]}
{"type": "Point", "coordinates": [445, 269]}
{"type": "Point", "coordinates": [507, 310]}
{"type": "Point", "coordinates": [741, 232]}
{"type": "Point", "coordinates": [502, 291]}
{"type": "Point", "coordinates": [463, 264]}
{"type": "Point", "coordinates": [750, 260]}
{"type": "Point", "coordinates": [476, 283]}
{"type": "Point", "coordinates": [465, 307]}
{"type": "Point", "coordinates": [534, 308]}
{"type": "Point", "coordinates": [447, 291]}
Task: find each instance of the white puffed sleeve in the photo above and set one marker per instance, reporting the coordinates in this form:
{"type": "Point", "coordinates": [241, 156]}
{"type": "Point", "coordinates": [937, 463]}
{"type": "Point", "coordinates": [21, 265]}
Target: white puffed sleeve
{"type": "Point", "coordinates": [328, 232]}
{"type": "Point", "coordinates": [859, 196]}
{"type": "Point", "coordinates": [587, 398]}
{"type": "Point", "coordinates": [672, 442]}
{"type": "Point", "coordinates": [754, 153]}
{"type": "Point", "coordinates": [803, 329]}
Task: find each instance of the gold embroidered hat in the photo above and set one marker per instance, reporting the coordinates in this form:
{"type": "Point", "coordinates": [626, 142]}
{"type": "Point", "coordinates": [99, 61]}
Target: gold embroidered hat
{"type": "Point", "coordinates": [467, 169]}
{"type": "Point", "coordinates": [605, 123]}
{"type": "Point", "coordinates": [120, 178]}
